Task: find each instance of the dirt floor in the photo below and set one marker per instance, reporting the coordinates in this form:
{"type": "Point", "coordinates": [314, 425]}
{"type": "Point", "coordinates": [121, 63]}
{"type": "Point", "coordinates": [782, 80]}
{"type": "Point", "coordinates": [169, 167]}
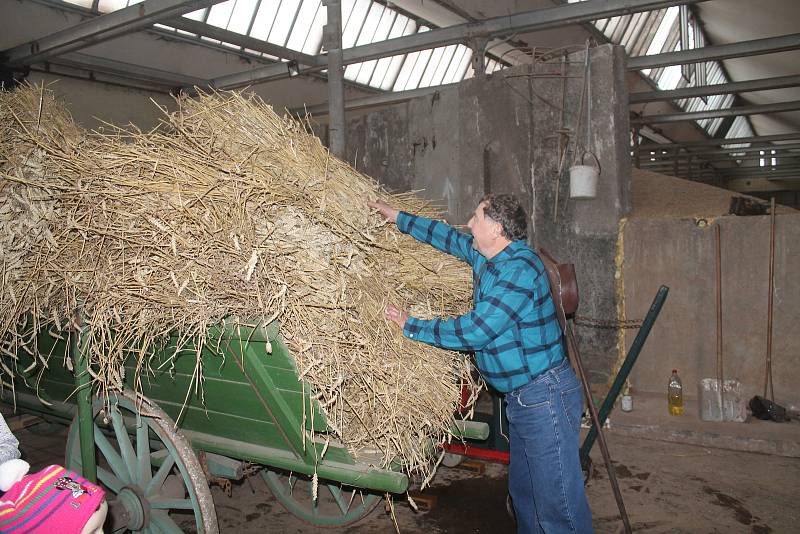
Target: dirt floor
{"type": "Point", "coordinates": [667, 488]}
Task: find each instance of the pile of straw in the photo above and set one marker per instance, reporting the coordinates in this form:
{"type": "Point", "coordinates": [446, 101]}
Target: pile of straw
{"type": "Point", "coordinates": [225, 210]}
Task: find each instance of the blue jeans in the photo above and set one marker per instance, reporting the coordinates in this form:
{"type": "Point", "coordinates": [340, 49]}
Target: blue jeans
{"type": "Point", "coordinates": [545, 478]}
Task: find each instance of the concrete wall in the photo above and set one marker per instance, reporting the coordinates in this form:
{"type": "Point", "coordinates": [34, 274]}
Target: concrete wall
{"type": "Point", "coordinates": [681, 255]}
{"type": "Point", "coordinates": [498, 134]}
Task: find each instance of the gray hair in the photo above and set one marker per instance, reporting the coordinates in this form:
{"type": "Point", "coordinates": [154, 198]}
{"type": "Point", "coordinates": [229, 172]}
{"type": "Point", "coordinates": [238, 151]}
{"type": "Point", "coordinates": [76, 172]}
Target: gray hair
{"type": "Point", "coordinates": [506, 210]}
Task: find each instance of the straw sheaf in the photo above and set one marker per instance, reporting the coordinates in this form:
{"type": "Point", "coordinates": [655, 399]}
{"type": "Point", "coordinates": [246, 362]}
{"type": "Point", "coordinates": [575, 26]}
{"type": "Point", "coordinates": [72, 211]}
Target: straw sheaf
{"type": "Point", "coordinates": [225, 210]}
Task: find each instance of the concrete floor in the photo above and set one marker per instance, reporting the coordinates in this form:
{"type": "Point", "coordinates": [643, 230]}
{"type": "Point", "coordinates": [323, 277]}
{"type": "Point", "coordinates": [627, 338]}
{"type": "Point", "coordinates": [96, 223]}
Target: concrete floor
{"type": "Point", "coordinates": [668, 487]}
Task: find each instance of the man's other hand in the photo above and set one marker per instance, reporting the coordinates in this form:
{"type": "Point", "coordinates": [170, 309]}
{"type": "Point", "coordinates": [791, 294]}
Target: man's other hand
{"type": "Point", "coordinates": [386, 210]}
{"type": "Point", "coordinates": [396, 315]}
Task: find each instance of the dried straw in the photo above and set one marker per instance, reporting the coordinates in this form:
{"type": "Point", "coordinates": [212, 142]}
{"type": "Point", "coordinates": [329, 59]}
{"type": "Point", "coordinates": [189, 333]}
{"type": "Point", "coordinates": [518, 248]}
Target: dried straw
{"type": "Point", "coordinates": [225, 210]}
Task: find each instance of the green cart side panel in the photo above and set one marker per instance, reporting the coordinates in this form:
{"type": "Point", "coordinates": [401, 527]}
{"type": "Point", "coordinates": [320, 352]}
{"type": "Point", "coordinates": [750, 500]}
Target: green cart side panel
{"type": "Point", "coordinates": [250, 394]}
{"type": "Point", "coordinates": [42, 385]}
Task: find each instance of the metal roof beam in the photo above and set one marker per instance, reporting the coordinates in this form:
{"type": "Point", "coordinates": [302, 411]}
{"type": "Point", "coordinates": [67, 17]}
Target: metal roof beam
{"type": "Point", "coordinates": [718, 160]}
{"type": "Point", "coordinates": [762, 185]}
{"type": "Point", "coordinates": [710, 53]}
{"type": "Point", "coordinates": [712, 113]}
{"type": "Point", "coordinates": [777, 171]}
{"type": "Point", "coordinates": [245, 41]}
{"type": "Point", "coordinates": [382, 99]}
{"type": "Point", "coordinates": [99, 29]}
{"type": "Point", "coordinates": [717, 89]}
{"type": "Point", "coordinates": [539, 19]}
{"type": "Point", "coordinates": [707, 152]}
{"type": "Point", "coordinates": [535, 20]}
{"type": "Point", "coordinates": [127, 70]}
{"type": "Point", "coordinates": [720, 142]}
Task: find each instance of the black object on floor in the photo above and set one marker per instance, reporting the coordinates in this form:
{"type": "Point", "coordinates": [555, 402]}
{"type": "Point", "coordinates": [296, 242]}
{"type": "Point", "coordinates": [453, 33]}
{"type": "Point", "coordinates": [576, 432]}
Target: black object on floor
{"type": "Point", "coordinates": [767, 410]}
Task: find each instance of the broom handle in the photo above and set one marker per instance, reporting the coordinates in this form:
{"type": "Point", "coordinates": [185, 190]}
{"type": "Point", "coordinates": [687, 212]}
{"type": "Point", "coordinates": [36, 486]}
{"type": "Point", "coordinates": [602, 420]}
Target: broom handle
{"type": "Point", "coordinates": [768, 366]}
{"type": "Point", "coordinates": [572, 348]}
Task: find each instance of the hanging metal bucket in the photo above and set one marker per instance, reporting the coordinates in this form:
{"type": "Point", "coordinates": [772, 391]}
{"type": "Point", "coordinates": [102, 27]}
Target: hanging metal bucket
{"type": "Point", "coordinates": [583, 178]}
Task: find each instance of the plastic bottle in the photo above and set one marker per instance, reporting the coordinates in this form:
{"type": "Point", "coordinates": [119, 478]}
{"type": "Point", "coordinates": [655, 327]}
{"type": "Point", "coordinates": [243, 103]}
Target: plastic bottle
{"type": "Point", "coordinates": [675, 394]}
{"type": "Point", "coordinates": [626, 401]}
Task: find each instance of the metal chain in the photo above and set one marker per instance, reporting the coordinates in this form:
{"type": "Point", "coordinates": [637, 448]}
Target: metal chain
{"type": "Point", "coordinates": [615, 324]}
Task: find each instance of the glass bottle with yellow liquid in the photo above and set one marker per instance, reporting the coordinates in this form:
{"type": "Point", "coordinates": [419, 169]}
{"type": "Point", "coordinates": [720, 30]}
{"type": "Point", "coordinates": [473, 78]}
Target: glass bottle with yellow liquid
{"type": "Point", "coordinates": [675, 394]}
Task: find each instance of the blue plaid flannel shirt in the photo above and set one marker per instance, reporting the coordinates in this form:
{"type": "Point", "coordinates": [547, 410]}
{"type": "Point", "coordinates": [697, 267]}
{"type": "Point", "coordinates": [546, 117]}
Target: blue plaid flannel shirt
{"type": "Point", "coordinates": [512, 327]}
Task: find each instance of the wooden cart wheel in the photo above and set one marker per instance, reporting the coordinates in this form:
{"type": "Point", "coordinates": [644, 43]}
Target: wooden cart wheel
{"type": "Point", "coordinates": [149, 470]}
{"type": "Point", "coordinates": [335, 506]}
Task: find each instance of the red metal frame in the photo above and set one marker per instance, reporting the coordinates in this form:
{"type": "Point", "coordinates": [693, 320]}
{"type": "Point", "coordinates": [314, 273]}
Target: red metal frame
{"type": "Point", "coordinates": [477, 452]}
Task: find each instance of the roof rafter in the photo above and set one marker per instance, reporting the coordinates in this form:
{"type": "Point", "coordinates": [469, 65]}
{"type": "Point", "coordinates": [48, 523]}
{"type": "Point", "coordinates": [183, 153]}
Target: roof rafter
{"type": "Point", "coordinates": [245, 41]}
{"type": "Point", "coordinates": [712, 113]}
{"type": "Point", "coordinates": [127, 70]}
{"type": "Point", "coordinates": [755, 47]}
{"type": "Point", "coordinates": [99, 29]}
{"type": "Point", "coordinates": [778, 82]}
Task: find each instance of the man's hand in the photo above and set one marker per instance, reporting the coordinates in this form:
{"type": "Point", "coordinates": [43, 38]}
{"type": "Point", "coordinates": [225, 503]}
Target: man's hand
{"type": "Point", "coordinates": [396, 315]}
{"type": "Point", "coordinates": [386, 210]}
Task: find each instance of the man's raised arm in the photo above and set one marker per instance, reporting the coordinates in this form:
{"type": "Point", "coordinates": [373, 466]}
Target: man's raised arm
{"type": "Point", "coordinates": [437, 234]}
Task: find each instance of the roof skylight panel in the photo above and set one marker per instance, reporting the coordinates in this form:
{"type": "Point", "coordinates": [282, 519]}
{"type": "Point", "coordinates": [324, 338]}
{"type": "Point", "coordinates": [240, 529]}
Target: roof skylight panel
{"type": "Point", "coordinates": [242, 16]}
{"type": "Point", "coordinates": [83, 3]}
{"type": "Point", "coordinates": [366, 35]}
{"type": "Point", "coordinates": [352, 28]}
{"type": "Point", "coordinates": [220, 14]}
{"type": "Point", "coordinates": [611, 27]}
{"type": "Point", "coordinates": [105, 6]}
{"type": "Point", "coordinates": [420, 65]}
{"type": "Point", "coordinates": [601, 25]}
{"type": "Point", "coordinates": [313, 42]}
{"type": "Point", "coordinates": [458, 66]}
{"type": "Point", "coordinates": [739, 128]}
{"type": "Point", "coordinates": [444, 63]}
{"type": "Point", "coordinates": [198, 15]}
{"type": "Point", "coordinates": [284, 20]}
{"type": "Point", "coordinates": [265, 18]}
{"type": "Point", "coordinates": [631, 36]}
{"type": "Point", "coordinates": [469, 72]}
{"type": "Point", "coordinates": [715, 125]}
{"type": "Point", "coordinates": [386, 72]}
{"type": "Point", "coordinates": [667, 23]}
{"type": "Point", "coordinates": [426, 80]}
{"type": "Point", "coordinates": [306, 17]}
{"type": "Point", "coordinates": [387, 68]}
{"type": "Point", "coordinates": [380, 33]}
{"type": "Point", "coordinates": [669, 78]}
{"type": "Point", "coordinates": [347, 10]}
{"type": "Point", "coordinates": [622, 27]}
{"type": "Point", "coordinates": [403, 77]}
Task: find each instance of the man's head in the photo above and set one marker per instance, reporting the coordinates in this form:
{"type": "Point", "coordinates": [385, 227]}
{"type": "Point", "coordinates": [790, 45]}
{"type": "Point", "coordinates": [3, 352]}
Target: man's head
{"type": "Point", "coordinates": [498, 220]}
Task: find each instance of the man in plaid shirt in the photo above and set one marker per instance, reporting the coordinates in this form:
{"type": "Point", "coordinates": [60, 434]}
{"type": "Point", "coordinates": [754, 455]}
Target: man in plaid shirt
{"type": "Point", "coordinates": [514, 333]}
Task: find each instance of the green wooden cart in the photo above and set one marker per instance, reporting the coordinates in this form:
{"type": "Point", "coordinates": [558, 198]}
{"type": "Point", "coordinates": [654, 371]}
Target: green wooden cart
{"type": "Point", "coordinates": [251, 417]}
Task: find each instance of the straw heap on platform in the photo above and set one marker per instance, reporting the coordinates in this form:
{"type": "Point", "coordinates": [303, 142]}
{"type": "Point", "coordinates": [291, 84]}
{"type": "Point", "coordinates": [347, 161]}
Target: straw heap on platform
{"type": "Point", "coordinates": [225, 210]}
